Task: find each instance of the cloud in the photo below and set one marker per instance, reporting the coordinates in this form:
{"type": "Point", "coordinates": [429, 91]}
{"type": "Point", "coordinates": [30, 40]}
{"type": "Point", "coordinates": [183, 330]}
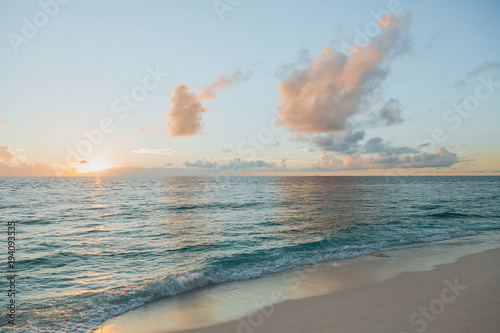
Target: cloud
{"type": "Point", "coordinates": [484, 67]}
{"type": "Point", "coordinates": [200, 164]}
{"type": "Point", "coordinates": [209, 91]}
{"type": "Point", "coordinates": [334, 87]}
{"type": "Point", "coordinates": [460, 84]}
{"type": "Point", "coordinates": [186, 108]}
{"type": "Point", "coordinates": [346, 142]}
{"type": "Point", "coordinates": [50, 115]}
{"type": "Point", "coordinates": [440, 159]}
{"type": "Point", "coordinates": [227, 151]}
{"type": "Point", "coordinates": [236, 165]}
{"type": "Point", "coordinates": [350, 143]}
{"type": "Point", "coordinates": [2, 122]}
{"type": "Point", "coordinates": [184, 116]}
{"type": "Point", "coordinates": [9, 157]}
{"type": "Point", "coordinates": [157, 151]}
{"type": "Point", "coordinates": [377, 146]}
{"type": "Point", "coordinates": [283, 163]}
{"type": "Point", "coordinates": [146, 130]}
{"type": "Point", "coordinates": [284, 70]}
{"type": "Point", "coordinates": [35, 170]}
{"type": "Point", "coordinates": [12, 165]}
{"type": "Point", "coordinates": [389, 114]}
{"type": "Point", "coordinates": [433, 40]}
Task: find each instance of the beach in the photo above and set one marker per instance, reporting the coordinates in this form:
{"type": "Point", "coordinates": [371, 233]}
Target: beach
{"type": "Point", "coordinates": [232, 166]}
{"type": "Point", "coordinates": [156, 255]}
{"type": "Point", "coordinates": [456, 297]}
{"type": "Point", "coordinates": [381, 292]}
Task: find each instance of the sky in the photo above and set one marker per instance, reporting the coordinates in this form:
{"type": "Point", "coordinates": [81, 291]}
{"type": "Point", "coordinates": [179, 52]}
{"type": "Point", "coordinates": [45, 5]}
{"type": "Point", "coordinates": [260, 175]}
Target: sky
{"type": "Point", "coordinates": [249, 87]}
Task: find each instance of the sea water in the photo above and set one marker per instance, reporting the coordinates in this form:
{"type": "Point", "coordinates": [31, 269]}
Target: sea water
{"type": "Point", "coordinates": [88, 249]}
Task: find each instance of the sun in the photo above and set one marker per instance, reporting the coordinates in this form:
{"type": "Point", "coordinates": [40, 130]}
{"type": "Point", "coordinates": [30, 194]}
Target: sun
{"type": "Point", "coordinates": [86, 166]}
{"type": "Point", "coordinates": [98, 166]}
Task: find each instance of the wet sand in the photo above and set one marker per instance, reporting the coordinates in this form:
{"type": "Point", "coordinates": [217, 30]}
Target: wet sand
{"type": "Point", "coordinates": [383, 292]}
{"type": "Point", "coordinates": [456, 297]}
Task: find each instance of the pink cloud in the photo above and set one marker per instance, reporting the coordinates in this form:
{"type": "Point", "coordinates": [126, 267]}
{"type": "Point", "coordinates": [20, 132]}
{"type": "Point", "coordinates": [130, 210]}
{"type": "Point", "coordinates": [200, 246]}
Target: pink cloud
{"type": "Point", "coordinates": [184, 116]}
{"type": "Point", "coordinates": [186, 108]}
{"type": "Point", "coordinates": [334, 87]}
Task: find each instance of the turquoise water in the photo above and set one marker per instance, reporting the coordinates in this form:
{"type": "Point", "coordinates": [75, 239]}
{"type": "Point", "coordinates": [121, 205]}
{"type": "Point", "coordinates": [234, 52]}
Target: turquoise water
{"type": "Point", "coordinates": [92, 248]}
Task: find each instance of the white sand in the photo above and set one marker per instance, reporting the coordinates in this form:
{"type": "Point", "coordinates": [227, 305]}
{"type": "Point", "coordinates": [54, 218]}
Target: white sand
{"type": "Point", "coordinates": [457, 297]}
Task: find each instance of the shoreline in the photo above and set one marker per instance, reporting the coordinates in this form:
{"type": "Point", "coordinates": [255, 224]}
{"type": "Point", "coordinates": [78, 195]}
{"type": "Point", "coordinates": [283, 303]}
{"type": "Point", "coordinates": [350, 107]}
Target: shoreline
{"type": "Point", "coordinates": [456, 297]}
{"type": "Point", "coordinates": [211, 309]}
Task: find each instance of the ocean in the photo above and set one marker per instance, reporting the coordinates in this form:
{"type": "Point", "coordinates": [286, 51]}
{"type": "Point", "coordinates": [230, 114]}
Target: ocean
{"type": "Point", "coordinates": [88, 249]}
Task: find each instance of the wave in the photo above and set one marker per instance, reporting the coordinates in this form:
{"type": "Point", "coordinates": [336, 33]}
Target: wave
{"type": "Point", "coordinates": [427, 207]}
{"type": "Point", "coordinates": [36, 221]}
{"type": "Point", "coordinates": [237, 267]}
{"type": "Point", "coordinates": [217, 206]}
{"type": "Point", "coordinates": [452, 214]}
{"type": "Point", "coordinates": [244, 268]}
{"type": "Point", "coordinates": [438, 238]}
{"type": "Point", "coordinates": [14, 205]}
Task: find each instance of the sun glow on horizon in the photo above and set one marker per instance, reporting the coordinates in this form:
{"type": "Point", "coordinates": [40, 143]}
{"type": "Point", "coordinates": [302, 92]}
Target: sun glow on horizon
{"type": "Point", "coordinates": [92, 166]}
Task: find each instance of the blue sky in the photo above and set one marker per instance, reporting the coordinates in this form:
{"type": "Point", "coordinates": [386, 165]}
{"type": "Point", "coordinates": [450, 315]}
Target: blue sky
{"type": "Point", "coordinates": [64, 79]}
